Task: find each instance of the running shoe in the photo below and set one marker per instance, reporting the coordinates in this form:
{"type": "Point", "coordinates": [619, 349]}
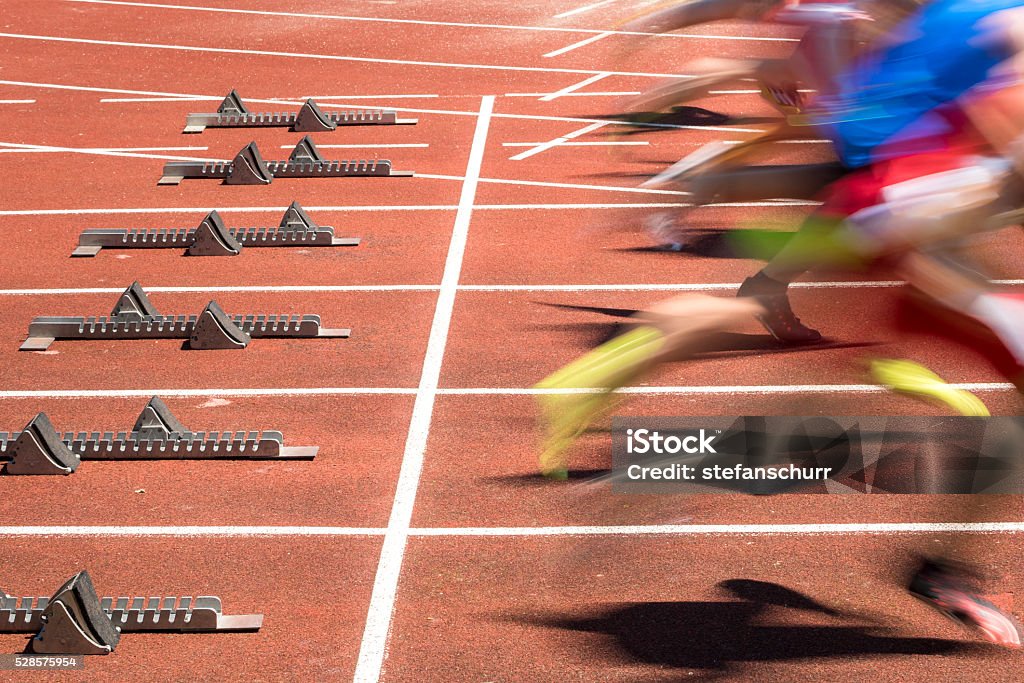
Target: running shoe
{"type": "Point", "coordinates": [911, 378]}
{"type": "Point", "coordinates": [575, 396]}
{"type": "Point", "coordinates": [778, 318]}
{"type": "Point", "coordinates": [949, 591]}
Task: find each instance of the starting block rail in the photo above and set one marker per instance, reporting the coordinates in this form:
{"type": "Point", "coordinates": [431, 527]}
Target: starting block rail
{"type": "Point", "coordinates": [249, 168]}
{"type": "Point", "coordinates": [157, 435]}
{"type": "Point", "coordinates": [232, 113]}
{"type": "Point", "coordinates": [75, 621]}
{"type": "Point", "coordinates": [213, 238]}
{"type": "Point", "coordinates": [134, 317]}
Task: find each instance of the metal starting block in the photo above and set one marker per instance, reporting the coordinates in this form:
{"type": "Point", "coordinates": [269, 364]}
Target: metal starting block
{"type": "Point", "coordinates": [157, 435]}
{"type": "Point", "coordinates": [135, 317]}
{"type": "Point", "coordinates": [310, 118]}
{"type": "Point", "coordinates": [249, 168]}
{"type": "Point", "coordinates": [212, 238]}
{"type": "Point", "coordinates": [75, 621]}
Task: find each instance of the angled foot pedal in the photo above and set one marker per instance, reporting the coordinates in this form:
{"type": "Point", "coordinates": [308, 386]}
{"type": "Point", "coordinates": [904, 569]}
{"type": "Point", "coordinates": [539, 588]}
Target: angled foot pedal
{"type": "Point", "coordinates": [249, 168]}
{"type": "Point", "coordinates": [232, 113]}
{"type": "Point", "coordinates": [38, 449]}
{"type": "Point", "coordinates": [157, 435]}
{"type": "Point", "coordinates": [75, 621]}
{"type": "Point", "coordinates": [135, 317]}
{"type": "Point", "coordinates": [212, 238]}
{"type": "Point", "coordinates": [215, 330]}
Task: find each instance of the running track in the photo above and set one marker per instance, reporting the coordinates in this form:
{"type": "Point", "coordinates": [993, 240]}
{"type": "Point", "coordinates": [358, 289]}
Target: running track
{"type": "Point", "coordinates": [419, 545]}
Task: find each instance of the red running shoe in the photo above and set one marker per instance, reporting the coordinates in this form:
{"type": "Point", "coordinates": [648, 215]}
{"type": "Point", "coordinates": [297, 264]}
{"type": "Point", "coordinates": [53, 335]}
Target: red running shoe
{"type": "Point", "coordinates": [948, 591]}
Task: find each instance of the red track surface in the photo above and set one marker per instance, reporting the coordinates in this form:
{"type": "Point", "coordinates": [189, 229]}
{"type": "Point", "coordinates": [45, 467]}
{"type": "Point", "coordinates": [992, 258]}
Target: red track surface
{"type": "Point", "coordinates": [470, 605]}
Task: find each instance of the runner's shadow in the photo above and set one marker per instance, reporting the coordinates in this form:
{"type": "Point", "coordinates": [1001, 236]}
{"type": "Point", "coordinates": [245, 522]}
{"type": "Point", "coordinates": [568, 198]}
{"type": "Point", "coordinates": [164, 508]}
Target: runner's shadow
{"type": "Point", "coordinates": [719, 636]}
{"type": "Point", "coordinates": [648, 122]}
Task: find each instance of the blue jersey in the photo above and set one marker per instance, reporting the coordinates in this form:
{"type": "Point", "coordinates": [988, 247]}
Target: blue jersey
{"type": "Point", "coordinates": [933, 58]}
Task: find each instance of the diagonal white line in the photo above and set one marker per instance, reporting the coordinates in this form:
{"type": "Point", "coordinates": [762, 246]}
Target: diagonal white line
{"type": "Point", "coordinates": [578, 44]}
{"type": "Point", "coordinates": [575, 86]}
{"type": "Point", "coordinates": [321, 56]}
{"type": "Point", "coordinates": [373, 650]}
{"type": "Point", "coordinates": [557, 141]}
{"type": "Point", "coordinates": [21, 147]}
{"type": "Point", "coordinates": [585, 8]}
{"type": "Point", "coordinates": [424, 22]}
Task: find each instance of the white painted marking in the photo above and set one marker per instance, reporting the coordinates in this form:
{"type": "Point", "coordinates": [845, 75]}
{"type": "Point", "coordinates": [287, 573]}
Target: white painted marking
{"type": "Point", "coordinates": [573, 186]}
{"type": "Point", "coordinates": [579, 144]}
{"type": "Point", "coordinates": [324, 57]}
{"type": "Point", "coordinates": [448, 112]}
{"type": "Point", "coordinates": [574, 94]}
{"type": "Point", "coordinates": [368, 97]}
{"type": "Point", "coordinates": [99, 152]}
{"type": "Point", "coordinates": [17, 101]}
{"type": "Point", "coordinates": [557, 141]}
{"type": "Point", "coordinates": [400, 207]}
{"type": "Point", "coordinates": [584, 8]}
{"type": "Point", "coordinates": [755, 390]}
{"type": "Point", "coordinates": [623, 530]}
{"type": "Point", "coordinates": [121, 100]}
{"type": "Point", "coordinates": [401, 145]}
{"type": "Point", "coordinates": [422, 22]}
{"type": "Point", "coordinates": [83, 150]}
{"type": "Point", "coordinates": [733, 529]}
{"type": "Point", "coordinates": [575, 86]}
{"type": "Point", "coordinates": [373, 649]}
{"type": "Point", "coordinates": [674, 287]}
{"type": "Point", "coordinates": [578, 44]}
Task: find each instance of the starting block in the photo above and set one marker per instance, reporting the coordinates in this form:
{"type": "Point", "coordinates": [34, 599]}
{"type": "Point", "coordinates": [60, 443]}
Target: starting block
{"type": "Point", "coordinates": [157, 435]}
{"type": "Point", "coordinates": [75, 621]}
{"type": "Point", "coordinates": [135, 317]}
{"type": "Point", "coordinates": [212, 238]}
{"type": "Point", "coordinates": [310, 118]}
{"type": "Point", "coordinates": [249, 168]}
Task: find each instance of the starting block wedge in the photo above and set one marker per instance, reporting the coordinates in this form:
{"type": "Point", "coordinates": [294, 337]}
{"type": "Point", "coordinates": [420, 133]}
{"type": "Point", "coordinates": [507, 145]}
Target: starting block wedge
{"type": "Point", "coordinates": [157, 435]}
{"type": "Point", "coordinates": [135, 317]}
{"type": "Point", "coordinates": [213, 238]}
{"type": "Point", "coordinates": [249, 168]}
{"type": "Point", "coordinates": [75, 621]}
{"type": "Point", "coordinates": [232, 113]}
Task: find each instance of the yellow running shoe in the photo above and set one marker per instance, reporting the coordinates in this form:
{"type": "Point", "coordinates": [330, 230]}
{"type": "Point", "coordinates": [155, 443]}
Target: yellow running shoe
{"type": "Point", "coordinates": [911, 378]}
{"type": "Point", "coordinates": [567, 414]}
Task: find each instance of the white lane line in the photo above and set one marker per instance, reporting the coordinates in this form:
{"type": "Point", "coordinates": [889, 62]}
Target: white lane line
{"type": "Point", "coordinates": [17, 101]}
{"type": "Point", "coordinates": [21, 149]}
{"type": "Point", "coordinates": [578, 144]}
{"type": "Point", "coordinates": [706, 390]}
{"type": "Point", "coordinates": [227, 288]}
{"type": "Point", "coordinates": [557, 141]}
{"type": "Point", "coordinates": [17, 146]}
{"type": "Point", "coordinates": [324, 57]}
{"type": "Point", "coordinates": [373, 648]}
{"type": "Point", "coordinates": [159, 99]}
{"type": "Point", "coordinates": [578, 44]}
{"type": "Point", "coordinates": [410, 110]}
{"type": "Point", "coordinates": [114, 211]}
{"type": "Point", "coordinates": [574, 94]}
{"type": "Point", "coordinates": [584, 8]}
{"type": "Point", "coordinates": [446, 532]}
{"type": "Point", "coordinates": [368, 97]}
{"type": "Point", "coordinates": [695, 287]}
{"type": "Point", "coordinates": [575, 86]}
{"type": "Point", "coordinates": [402, 145]}
{"type": "Point", "coordinates": [571, 186]}
{"type": "Point", "coordinates": [423, 22]}
{"type": "Point", "coordinates": [732, 529]}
